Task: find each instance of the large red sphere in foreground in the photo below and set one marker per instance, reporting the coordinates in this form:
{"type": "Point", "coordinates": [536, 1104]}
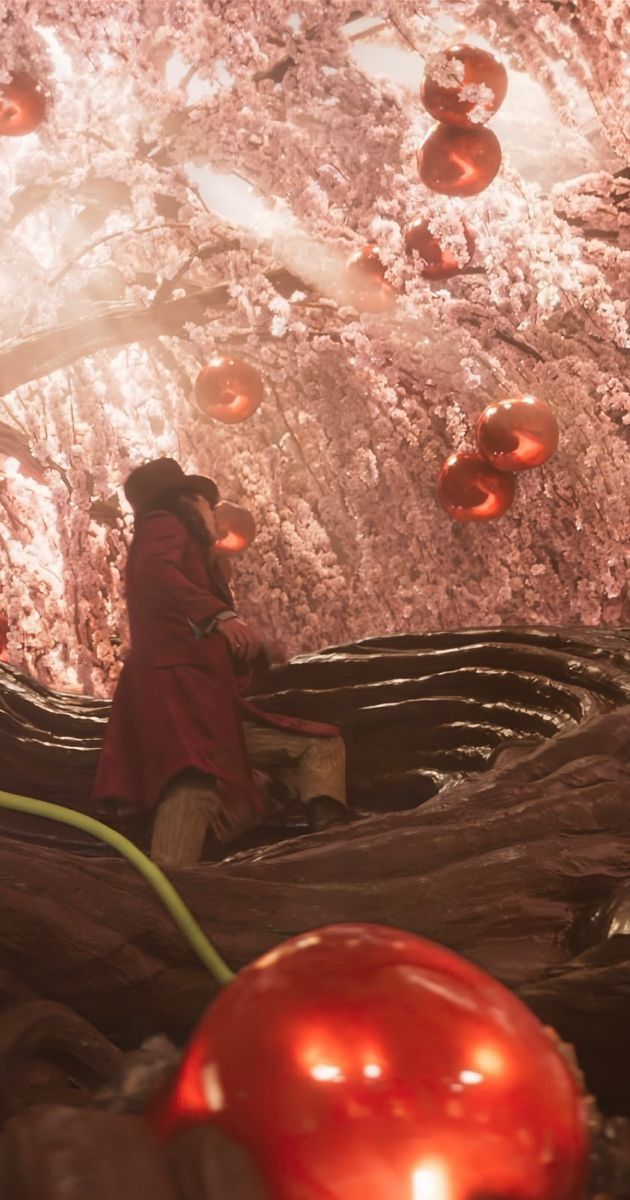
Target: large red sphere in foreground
{"type": "Point", "coordinates": [459, 162]}
{"type": "Point", "coordinates": [470, 489]}
{"type": "Point", "coordinates": [228, 390]}
{"type": "Point", "coordinates": [438, 263]}
{"type": "Point", "coordinates": [361, 1063]}
{"type": "Point", "coordinates": [236, 528]}
{"type": "Point", "coordinates": [22, 106]}
{"type": "Point", "coordinates": [515, 435]}
{"type": "Point", "coordinates": [464, 86]}
{"type": "Point", "coordinates": [369, 290]}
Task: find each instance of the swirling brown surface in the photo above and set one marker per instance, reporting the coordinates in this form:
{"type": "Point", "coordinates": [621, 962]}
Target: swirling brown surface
{"type": "Point", "coordinates": [417, 711]}
{"type": "Point", "coordinates": [515, 741]}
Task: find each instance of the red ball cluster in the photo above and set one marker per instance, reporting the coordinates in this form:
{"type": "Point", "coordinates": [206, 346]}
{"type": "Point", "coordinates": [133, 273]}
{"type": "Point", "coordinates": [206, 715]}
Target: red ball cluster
{"type": "Point", "coordinates": [230, 390]}
{"type": "Point", "coordinates": [370, 291]}
{"type": "Point", "coordinates": [359, 1062]}
{"type": "Point", "coordinates": [512, 435]}
{"type": "Point", "coordinates": [462, 89]}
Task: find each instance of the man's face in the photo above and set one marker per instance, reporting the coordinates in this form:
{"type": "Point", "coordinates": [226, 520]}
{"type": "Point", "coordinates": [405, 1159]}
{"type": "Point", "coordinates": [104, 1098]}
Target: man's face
{"type": "Point", "coordinates": [205, 510]}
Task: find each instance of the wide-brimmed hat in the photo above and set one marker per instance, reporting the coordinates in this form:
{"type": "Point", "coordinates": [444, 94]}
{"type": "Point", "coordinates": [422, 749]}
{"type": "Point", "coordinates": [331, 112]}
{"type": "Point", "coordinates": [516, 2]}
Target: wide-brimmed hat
{"type": "Point", "coordinates": [162, 479]}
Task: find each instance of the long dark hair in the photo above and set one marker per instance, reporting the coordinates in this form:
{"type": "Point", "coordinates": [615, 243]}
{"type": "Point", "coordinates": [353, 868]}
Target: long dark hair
{"type": "Point", "coordinates": [193, 522]}
{"type": "Point", "coordinates": [178, 503]}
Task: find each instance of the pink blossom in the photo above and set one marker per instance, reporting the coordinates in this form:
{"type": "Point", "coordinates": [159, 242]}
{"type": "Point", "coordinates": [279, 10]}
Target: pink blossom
{"type": "Point", "coordinates": [340, 462]}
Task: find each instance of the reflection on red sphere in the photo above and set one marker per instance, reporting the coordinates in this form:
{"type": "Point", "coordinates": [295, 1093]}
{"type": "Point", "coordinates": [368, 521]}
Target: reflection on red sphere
{"type": "Point", "coordinates": [438, 263]}
{"type": "Point", "coordinates": [370, 291]}
{"type": "Point", "coordinates": [228, 390]}
{"type": "Point", "coordinates": [235, 526]}
{"type": "Point", "coordinates": [459, 162]}
{"type": "Point", "coordinates": [468, 69]}
{"type": "Point", "coordinates": [361, 1062]}
{"type": "Point", "coordinates": [469, 489]}
{"type": "Point", "coordinates": [515, 435]}
{"type": "Point", "coordinates": [22, 105]}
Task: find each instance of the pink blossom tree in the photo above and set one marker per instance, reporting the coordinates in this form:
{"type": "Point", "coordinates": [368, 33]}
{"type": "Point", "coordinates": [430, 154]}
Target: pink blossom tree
{"type": "Point", "coordinates": [122, 271]}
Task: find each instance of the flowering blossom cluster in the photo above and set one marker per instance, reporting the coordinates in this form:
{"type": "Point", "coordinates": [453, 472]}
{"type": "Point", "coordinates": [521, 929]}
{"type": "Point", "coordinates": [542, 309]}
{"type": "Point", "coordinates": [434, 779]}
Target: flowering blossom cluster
{"type": "Point", "coordinates": [106, 214]}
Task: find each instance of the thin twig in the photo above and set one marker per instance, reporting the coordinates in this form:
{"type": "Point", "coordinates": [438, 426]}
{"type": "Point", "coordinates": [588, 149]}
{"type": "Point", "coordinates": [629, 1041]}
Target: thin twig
{"type": "Point", "coordinates": [202, 253]}
{"type": "Point", "coordinates": [108, 238]}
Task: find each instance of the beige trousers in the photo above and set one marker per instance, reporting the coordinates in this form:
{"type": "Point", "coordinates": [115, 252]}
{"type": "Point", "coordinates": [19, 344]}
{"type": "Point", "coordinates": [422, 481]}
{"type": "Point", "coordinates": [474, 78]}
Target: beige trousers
{"type": "Point", "coordinates": [191, 804]}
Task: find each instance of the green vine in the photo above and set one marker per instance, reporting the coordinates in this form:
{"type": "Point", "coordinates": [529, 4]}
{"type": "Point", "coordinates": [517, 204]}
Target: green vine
{"type": "Point", "coordinates": [164, 889]}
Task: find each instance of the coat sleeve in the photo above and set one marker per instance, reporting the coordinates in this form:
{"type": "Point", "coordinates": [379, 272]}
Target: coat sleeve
{"type": "Point", "coordinates": [160, 560]}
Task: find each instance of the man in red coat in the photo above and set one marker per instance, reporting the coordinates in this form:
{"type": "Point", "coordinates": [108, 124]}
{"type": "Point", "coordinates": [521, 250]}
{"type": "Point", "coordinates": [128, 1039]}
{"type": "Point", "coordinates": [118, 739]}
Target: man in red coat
{"type": "Point", "coordinates": [181, 740]}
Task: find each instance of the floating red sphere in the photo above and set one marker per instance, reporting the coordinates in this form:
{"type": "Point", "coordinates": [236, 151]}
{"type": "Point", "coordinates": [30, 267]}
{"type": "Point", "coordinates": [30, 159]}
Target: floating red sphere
{"type": "Point", "coordinates": [228, 390]}
{"type": "Point", "coordinates": [236, 528]}
{"type": "Point", "coordinates": [369, 289]}
{"type": "Point", "coordinates": [516, 435]}
{"type": "Point", "coordinates": [438, 263]}
{"type": "Point", "coordinates": [464, 86]}
{"type": "Point", "coordinates": [359, 1061]}
{"type": "Point", "coordinates": [459, 162]}
{"type": "Point", "coordinates": [470, 489]}
{"type": "Point", "coordinates": [22, 105]}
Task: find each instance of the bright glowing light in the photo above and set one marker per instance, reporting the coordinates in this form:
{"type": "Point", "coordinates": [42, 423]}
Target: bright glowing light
{"type": "Point", "coordinates": [310, 939]}
{"type": "Point", "coordinates": [326, 1073]}
{"type": "Point", "coordinates": [231, 543]}
{"type": "Point", "coordinates": [62, 62]}
{"type": "Point", "coordinates": [470, 1077]}
{"type": "Point", "coordinates": [431, 1182]}
{"type": "Point", "coordinates": [237, 201]}
{"type": "Point", "coordinates": [372, 1071]}
{"type": "Point", "coordinates": [212, 1087]}
{"type": "Point", "coordinates": [268, 959]}
{"type": "Point", "coordinates": [489, 1060]}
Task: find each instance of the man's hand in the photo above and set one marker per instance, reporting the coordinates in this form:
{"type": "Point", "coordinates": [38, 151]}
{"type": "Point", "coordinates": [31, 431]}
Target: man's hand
{"type": "Point", "coordinates": [240, 638]}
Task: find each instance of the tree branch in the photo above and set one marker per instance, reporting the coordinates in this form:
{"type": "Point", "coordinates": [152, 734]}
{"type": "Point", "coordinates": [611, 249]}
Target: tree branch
{"type": "Point", "coordinates": [119, 233]}
{"type": "Point", "coordinates": [29, 358]}
{"type": "Point", "coordinates": [14, 444]}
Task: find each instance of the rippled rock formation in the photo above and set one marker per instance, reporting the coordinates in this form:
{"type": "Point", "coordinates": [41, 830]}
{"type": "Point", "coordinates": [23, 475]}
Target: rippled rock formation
{"type": "Point", "coordinates": [417, 712]}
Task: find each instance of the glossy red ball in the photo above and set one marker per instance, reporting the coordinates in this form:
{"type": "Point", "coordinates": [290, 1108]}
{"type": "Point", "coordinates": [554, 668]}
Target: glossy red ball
{"type": "Point", "coordinates": [236, 528]}
{"type": "Point", "coordinates": [22, 106]}
{"type": "Point", "coordinates": [470, 489]}
{"type": "Point", "coordinates": [459, 162]}
{"type": "Point", "coordinates": [516, 435]}
{"type": "Point", "coordinates": [358, 1062]}
{"type": "Point", "coordinates": [369, 290]}
{"type": "Point", "coordinates": [437, 263]}
{"type": "Point", "coordinates": [464, 86]}
{"type": "Point", "coordinates": [228, 390]}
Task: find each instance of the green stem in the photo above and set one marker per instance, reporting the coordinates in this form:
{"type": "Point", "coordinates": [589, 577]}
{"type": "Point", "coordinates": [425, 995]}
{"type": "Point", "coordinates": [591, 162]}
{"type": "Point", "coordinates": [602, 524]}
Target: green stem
{"type": "Point", "coordinates": [170, 898]}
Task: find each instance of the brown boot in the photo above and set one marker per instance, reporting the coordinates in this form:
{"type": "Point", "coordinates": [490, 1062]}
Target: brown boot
{"type": "Point", "coordinates": [324, 812]}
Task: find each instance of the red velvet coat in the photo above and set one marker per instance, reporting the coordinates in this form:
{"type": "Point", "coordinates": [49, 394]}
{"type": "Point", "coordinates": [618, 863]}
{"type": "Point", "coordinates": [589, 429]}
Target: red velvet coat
{"type": "Point", "coordinates": [178, 701]}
